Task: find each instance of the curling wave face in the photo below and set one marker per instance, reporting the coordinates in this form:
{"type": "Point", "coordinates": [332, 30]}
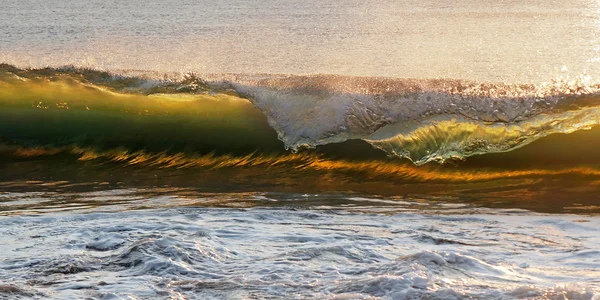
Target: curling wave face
{"type": "Point", "coordinates": [422, 120]}
{"type": "Point", "coordinates": [230, 133]}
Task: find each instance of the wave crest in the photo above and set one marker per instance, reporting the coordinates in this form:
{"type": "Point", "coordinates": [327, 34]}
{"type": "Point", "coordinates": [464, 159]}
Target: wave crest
{"type": "Point", "coordinates": [423, 120]}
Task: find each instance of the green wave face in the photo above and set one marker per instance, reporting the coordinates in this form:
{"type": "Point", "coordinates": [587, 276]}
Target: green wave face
{"type": "Point", "coordinates": [422, 120]}
{"type": "Point", "coordinates": [64, 110]}
{"type": "Point", "coordinates": [76, 125]}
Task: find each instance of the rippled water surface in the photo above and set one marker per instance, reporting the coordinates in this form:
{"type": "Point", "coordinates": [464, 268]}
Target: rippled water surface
{"type": "Point", "coordinates": [367, 248]}
{"type": "Point", "coordinates": [484, 40]}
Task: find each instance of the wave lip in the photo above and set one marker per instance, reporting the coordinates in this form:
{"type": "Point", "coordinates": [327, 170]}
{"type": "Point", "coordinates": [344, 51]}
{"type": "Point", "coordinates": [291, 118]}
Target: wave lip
{"type": "Point", "coordinates": [422, 120]}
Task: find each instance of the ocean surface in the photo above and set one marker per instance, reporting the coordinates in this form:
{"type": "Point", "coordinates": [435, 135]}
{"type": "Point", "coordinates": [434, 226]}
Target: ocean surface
{"type": "Point", "coordinates": [299, 149]}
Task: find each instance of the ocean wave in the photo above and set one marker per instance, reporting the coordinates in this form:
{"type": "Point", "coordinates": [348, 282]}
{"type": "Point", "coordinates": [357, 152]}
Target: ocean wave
{"type": "Point", "coordinates": [421, 120]}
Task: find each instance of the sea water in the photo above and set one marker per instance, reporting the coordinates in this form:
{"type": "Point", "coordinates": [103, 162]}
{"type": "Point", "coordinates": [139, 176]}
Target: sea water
{"type": "Point", "coordinates": [285, 149]}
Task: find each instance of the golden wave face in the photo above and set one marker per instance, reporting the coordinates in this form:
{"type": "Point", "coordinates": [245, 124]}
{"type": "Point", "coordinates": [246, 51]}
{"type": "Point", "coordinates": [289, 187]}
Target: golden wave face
{"type": "Point", "coordinates": [304, 162]}
{"type": "Point", "coordinates": [64, 110]}
{"type": "Point", "coordinates": [420, 120]}
{"type": "Point", "coordinates": [543, 189]}
{"type": "Point", "coordinates": [88, 126]}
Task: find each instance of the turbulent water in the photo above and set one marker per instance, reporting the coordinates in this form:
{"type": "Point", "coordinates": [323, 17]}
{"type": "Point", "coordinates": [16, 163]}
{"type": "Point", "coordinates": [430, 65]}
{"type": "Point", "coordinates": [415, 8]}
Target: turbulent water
{"type": "Point", "coordinates": [322, 252]}
{"type": "Point", "coordinates": [272, 149]}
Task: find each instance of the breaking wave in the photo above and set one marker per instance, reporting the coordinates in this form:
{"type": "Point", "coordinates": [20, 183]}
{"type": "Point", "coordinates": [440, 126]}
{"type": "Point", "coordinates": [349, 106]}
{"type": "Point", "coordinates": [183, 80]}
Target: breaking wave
{"type": "Point", "coordinates": [238, 114]}
{"type": "Point", "coordinates": [422, 120]}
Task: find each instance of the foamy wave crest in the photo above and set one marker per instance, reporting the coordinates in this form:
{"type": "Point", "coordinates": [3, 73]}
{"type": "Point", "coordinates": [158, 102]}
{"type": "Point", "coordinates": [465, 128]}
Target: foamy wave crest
{"type": "Point", "coordinates": [422, 120]}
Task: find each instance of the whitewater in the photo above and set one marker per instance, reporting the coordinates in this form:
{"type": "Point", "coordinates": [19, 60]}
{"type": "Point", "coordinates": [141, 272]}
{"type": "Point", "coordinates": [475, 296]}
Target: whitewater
{"type": "Point", "coordinates": [404, 250]}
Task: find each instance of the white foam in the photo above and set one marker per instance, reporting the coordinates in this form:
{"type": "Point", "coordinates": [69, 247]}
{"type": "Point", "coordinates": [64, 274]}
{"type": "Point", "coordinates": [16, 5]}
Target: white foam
{"type": "Point", "coordinates": [423, 120]}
